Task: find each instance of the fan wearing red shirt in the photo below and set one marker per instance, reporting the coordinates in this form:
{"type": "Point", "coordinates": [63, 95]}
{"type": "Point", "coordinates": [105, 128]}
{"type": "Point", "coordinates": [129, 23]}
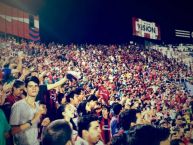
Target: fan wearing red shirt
{"type": "Point", "coordinates": [16, 95]}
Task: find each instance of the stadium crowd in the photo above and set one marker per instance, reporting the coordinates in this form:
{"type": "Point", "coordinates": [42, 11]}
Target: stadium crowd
{"type": "Point", "coordinates": [92, 95]}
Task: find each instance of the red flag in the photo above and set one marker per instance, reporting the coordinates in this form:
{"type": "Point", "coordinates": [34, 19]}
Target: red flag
{"type": "Point", "coordinates": [104, 94]}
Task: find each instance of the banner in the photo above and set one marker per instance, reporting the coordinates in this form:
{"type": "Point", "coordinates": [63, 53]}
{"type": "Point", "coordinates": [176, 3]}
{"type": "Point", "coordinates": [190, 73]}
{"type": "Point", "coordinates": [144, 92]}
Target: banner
{"type": "Point", "coordinates": [17, 22]}
{"type": "Point", "coordinates": [145, 29]}
{"type": "Point", "coordinates": [34, 29]}
{"type": "Point", "coordinates": [183, 33]}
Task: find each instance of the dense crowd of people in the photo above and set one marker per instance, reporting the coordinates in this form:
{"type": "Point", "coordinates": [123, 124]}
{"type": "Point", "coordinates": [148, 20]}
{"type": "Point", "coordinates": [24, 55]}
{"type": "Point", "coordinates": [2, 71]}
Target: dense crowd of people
{"type": "Point", "coordinates": [92, 95]}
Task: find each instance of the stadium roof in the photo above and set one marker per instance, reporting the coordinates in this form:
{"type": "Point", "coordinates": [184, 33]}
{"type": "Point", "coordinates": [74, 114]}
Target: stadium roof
{"type": "Point", "coordinates": [91, 20]}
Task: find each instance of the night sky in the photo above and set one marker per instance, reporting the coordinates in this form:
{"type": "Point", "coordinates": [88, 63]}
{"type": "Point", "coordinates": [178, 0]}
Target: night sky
{"type": "Point", "coordinates": [105, 21]}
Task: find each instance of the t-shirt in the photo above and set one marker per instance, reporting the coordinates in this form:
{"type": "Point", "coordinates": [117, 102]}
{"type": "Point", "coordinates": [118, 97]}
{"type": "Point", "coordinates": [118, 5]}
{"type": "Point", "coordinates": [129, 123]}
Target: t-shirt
{"type": "Point", "coordinates": [105, 129]}
{"type": "Point", "coordinates": [1, 75]}
{"type": "Point", "coordinates": [80, 141]}
{"type": "Point", "coordinates": [114, 125]}
{"type": "Point", "coordinates": [4, 127]}
{"type": "Point", "coordinates": [21, 112]}
{"type": "Point", "coordinates": [9, 101]}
